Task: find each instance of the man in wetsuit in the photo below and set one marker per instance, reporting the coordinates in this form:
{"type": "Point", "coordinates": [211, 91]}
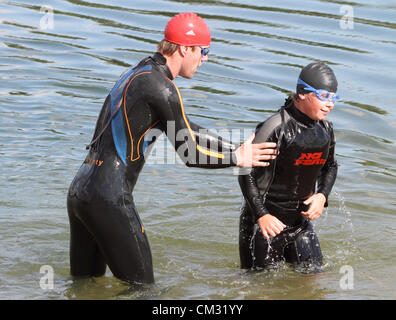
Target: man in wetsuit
{"type": "Point", "coordinates": [281, 199]}
{"type": "Point", "coordinates": [105, 228]}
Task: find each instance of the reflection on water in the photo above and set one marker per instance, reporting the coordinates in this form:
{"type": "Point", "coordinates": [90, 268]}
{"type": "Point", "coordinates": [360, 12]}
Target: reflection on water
{"type": "Point", "coordinates": [54, 81]}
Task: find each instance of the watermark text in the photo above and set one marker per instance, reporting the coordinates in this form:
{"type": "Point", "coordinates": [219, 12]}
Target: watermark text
{"type": "Point", "coordinates": [47, 280]}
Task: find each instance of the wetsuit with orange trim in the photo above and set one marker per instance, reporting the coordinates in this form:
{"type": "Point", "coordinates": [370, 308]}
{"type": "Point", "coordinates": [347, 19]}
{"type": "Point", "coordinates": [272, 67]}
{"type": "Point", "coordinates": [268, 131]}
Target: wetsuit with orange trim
{"type": "Point", "coordinates": [306, 163]}
{"type": "Point", "coordinates": [105, 228]}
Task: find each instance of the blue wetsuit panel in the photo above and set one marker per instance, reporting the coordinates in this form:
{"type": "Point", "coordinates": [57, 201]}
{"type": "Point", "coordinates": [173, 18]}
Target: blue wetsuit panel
{"type": "Point", "coordinates": [117, 125]}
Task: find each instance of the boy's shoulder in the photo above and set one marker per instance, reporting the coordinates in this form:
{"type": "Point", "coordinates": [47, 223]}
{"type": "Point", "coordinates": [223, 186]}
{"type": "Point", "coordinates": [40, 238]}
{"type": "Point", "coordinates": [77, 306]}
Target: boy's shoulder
{"type": "Point", "coordinates": [327, 124]}
{"type": "Point", "coordinates": [268, 127]}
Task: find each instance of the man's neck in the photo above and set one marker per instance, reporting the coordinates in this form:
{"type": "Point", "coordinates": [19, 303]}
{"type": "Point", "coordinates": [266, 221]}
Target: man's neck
{"type": "Point", "coordinates": [174, 63]}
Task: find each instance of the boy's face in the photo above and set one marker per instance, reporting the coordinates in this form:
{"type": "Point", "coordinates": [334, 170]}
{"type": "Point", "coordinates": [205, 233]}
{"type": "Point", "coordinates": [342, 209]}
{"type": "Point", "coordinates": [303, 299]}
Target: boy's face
{"type": "Point", "coordinates": [315, 108]}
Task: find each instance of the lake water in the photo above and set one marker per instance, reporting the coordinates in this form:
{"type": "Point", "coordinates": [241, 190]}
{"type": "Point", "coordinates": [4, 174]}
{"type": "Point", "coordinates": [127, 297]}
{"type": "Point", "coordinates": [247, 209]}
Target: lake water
{"type": "Point", "coordinates": [58, 63]}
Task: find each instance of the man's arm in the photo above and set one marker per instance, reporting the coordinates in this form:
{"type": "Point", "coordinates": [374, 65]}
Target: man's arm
{"type": "Point", "coordinates": [247, 154]}
{"type": "Point", "coordinates": [211, 140]}
{"type": "Point", "coordinates": [205, 150]}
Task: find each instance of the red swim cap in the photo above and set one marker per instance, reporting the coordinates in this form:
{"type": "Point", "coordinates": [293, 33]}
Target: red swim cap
{"type": "Point", "coordinates": [187, 29]}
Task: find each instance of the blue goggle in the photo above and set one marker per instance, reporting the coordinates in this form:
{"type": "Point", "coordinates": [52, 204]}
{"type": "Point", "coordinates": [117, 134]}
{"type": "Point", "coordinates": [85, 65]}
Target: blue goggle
{"type": "Point", "coordinates": [323, 95]}
{"type": "Point", "coordinates": [204, 51]}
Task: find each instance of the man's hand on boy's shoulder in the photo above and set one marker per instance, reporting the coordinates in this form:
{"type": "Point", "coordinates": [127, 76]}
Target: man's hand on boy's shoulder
{"type": "Point", "coordinates": [255, 154]}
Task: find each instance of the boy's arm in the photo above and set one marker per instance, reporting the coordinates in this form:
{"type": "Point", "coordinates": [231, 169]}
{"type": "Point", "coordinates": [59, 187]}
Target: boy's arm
{"type": "Point", "coordinates": [265, 131]}
{"type": "Point", "coordinates": [254, 195]}
{"type": "Point", "coordinates": [328, 173]}
{"type": "Point", "coordinates": [269, 225]}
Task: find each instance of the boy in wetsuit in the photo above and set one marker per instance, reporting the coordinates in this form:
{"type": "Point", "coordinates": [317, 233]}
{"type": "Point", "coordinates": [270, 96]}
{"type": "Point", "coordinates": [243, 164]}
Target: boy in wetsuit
{"type": "Point", "coordinates": [280, 200]}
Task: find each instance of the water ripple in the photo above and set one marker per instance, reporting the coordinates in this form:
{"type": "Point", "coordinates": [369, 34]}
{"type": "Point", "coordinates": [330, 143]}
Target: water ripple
{"type": "Point", "coordinates": [53, 84]}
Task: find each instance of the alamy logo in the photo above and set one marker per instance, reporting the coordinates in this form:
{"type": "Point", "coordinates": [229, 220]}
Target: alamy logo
{"type": "Point", "coordinates": [47, 21]}
{"type": "Point", "coordinates": [47, 280]}
{"type": "Point", "coordinates": [309, 159]}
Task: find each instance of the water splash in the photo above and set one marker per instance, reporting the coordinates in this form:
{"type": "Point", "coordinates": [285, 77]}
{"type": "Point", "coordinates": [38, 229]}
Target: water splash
{"type": "Point", "coordinates": [347, 243]}
{"type": "Point", "coordinates": [252, 246]}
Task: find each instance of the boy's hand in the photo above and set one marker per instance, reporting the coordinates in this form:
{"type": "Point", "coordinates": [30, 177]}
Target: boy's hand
{"type": "Point", "coordinates": [317, 202]}
{"type": "Point", "coordinates": [270, 226]}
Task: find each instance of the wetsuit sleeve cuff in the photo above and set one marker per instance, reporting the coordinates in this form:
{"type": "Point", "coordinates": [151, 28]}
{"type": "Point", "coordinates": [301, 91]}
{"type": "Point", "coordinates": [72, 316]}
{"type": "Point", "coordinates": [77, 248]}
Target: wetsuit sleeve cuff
{"type": "Point", "coordinates": [260, 214]}
{"type": "Point", "coordinates": [261, 210]}
{"type": "Point", "coordinates": [326, 197]}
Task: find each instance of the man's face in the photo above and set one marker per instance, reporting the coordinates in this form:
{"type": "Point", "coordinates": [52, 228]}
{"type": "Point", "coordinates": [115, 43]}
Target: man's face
{"type": "Point", "coordinates": [315, 108]}
{"type": "Point", "coordinates": [192, 60]}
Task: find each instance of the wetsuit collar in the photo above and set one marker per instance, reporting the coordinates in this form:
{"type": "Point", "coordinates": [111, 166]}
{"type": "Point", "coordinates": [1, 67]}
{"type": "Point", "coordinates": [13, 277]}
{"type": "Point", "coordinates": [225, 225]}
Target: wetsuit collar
{"type": "Point", "coordinates": [160, 60]}
{"type": "Point", "coordinates": [299, 116]}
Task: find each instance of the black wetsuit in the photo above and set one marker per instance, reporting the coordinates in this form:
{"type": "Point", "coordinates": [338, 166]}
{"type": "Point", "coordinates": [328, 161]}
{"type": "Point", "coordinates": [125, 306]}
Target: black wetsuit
{"type": "Point", "coordinates": [105, 227]}
{"type": "Point", "coordinates": [306, 159]}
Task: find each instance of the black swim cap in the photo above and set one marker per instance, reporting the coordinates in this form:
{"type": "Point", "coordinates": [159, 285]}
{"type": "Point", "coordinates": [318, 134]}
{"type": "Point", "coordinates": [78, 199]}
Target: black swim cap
{"type": "Point", "coordinates": [319, 76]}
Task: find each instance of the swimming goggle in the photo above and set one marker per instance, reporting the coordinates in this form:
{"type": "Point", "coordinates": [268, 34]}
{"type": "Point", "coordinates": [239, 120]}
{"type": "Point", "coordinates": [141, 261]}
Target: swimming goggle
{"type": "Point", "coordinates": [204, 51]}
{"type": "Point", "coordinates": [323, 95]}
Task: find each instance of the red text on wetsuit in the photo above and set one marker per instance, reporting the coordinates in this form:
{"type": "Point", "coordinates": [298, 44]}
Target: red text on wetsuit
{"type": "Point", "coordinates": [309, 159]}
